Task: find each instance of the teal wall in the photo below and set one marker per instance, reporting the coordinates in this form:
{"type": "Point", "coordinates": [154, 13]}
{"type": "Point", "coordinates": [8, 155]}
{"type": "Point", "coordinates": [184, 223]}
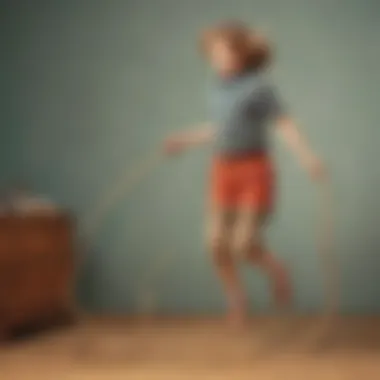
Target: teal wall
{"type": "Point", "coordinates": [92, 86]}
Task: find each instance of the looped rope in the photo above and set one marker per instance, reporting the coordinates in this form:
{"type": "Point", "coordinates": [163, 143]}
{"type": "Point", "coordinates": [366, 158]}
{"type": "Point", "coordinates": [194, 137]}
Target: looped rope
{"type": "Point", "coordinates": [146, 299]}
{"type": "Point", "coordinates": [121, 189]}
{"type": "Point", "coordinates": [325, 249]}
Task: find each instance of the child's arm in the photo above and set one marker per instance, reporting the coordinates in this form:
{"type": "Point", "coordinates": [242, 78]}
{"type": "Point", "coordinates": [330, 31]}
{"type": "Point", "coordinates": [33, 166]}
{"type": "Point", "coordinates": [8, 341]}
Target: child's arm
{"type": "Point", "coordinates": [178, 142]}
{"type": "Point", "coordinates": [300, 147]}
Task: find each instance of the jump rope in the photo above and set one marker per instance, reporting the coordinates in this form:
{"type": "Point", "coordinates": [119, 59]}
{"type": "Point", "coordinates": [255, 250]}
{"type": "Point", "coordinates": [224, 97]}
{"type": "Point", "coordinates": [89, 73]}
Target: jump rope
{"type": "Point", "coordinates": [147, 299]}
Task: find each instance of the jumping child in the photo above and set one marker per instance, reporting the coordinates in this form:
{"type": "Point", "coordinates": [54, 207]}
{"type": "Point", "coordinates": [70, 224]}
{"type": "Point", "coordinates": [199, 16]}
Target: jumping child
{"type": "Point", "coordinates": [242, 182]}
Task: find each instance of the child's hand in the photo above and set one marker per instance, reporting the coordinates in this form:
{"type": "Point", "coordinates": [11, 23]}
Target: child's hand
{"type": "Point", "coordinates": [317, 169]}
{"type": "Point", "coordinates": [179, 142]}
{"type": "Point", "coordinates": [174, 145]}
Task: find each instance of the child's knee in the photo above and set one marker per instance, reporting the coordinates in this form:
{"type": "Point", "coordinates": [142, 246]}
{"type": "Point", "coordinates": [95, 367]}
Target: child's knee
{"type": "Point", "coordinates": [246, 245]}
{"type": "Point", "coordinates": [218, 247]}
{"type": "Point", "coordinates": [255, 253]}
{"type": "Point", "coordinates": [216, 243]}
{"type": "Point", "coordinates": [242, 245]}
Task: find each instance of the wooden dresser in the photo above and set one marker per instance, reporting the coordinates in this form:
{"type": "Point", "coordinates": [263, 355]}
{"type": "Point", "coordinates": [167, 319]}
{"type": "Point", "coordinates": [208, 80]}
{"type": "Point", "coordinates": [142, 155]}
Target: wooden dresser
{"type": "Point", "coordinates": [36, 270]}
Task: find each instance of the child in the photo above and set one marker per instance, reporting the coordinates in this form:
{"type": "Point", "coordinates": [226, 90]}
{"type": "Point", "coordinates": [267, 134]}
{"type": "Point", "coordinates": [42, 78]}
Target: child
{"type": "Point", "coordinates": [243, 106]}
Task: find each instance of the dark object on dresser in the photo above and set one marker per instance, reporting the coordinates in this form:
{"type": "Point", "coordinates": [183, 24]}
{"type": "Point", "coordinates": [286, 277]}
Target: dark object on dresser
{"type": "Point", "coordinates": [36, 271]}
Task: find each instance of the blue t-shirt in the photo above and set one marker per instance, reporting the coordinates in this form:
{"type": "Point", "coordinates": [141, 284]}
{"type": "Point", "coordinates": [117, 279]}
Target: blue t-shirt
{"type": "Point", "coordinates": [242, 108]}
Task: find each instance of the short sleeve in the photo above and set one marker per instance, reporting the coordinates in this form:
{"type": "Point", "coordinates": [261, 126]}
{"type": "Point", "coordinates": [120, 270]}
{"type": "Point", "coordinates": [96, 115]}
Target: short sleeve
{"type": "Point", "coordinates": [274, 104]}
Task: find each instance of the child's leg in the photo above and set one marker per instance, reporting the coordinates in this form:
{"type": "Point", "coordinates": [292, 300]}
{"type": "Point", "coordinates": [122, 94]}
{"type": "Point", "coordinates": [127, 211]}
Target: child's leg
{"type": "Point", "coordinates": [276, 271]}
{"type": "Point", "coordinates": [218, 236]}
{"type": "Point", "coordinates": [248, 244]}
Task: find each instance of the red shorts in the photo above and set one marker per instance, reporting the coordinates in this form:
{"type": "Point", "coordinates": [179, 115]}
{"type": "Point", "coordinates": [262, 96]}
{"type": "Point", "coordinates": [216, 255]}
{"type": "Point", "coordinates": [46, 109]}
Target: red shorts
{"type": "Point", "coordinates": [243, 181]}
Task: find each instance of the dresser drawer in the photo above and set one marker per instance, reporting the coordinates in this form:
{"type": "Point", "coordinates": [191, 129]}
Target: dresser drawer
{"type": "Point", "coordinates": [42, 236]}
{"type": "Point", "coordinates": [59, 281]}
{"type": "Point", "coordinates": [28, 294]}
{"type": "Point", "coordinates": [8, 282]}
{"type": "Point", "coordinates": [36, 268]}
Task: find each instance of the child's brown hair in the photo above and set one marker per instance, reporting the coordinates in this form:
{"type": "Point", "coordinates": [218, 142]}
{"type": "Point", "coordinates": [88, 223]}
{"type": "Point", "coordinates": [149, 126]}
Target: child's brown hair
{"type": "Point", "coordinates": [253, 51]}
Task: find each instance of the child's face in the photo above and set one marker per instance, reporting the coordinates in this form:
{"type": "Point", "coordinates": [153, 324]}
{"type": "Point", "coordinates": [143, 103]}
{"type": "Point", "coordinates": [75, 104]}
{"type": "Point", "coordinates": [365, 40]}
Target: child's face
{"type": "Point", "coordinates": [223, 59]}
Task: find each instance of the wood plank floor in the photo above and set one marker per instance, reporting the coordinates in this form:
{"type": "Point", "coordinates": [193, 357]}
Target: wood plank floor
{"type": "Point", "coordinates": [270, 349]}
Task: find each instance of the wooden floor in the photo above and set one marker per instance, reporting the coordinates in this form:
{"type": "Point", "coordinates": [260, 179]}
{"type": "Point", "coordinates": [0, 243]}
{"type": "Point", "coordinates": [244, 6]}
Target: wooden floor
{"type": "Point", "coordinates": [271, 349]}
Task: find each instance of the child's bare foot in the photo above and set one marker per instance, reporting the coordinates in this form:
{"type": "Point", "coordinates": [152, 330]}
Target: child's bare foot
{"type": "Point", "coordinates": [283, 293]}
{"type": "Point", "coordinates": [237, 315]}
{"type": "Point", "coordinates": [237, 319]}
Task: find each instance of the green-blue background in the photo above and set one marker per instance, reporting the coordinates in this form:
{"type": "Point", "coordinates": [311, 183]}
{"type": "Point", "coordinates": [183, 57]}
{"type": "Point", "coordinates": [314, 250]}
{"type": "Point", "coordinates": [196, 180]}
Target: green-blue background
{"type": "Point", "coordinates": [89, 87]}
